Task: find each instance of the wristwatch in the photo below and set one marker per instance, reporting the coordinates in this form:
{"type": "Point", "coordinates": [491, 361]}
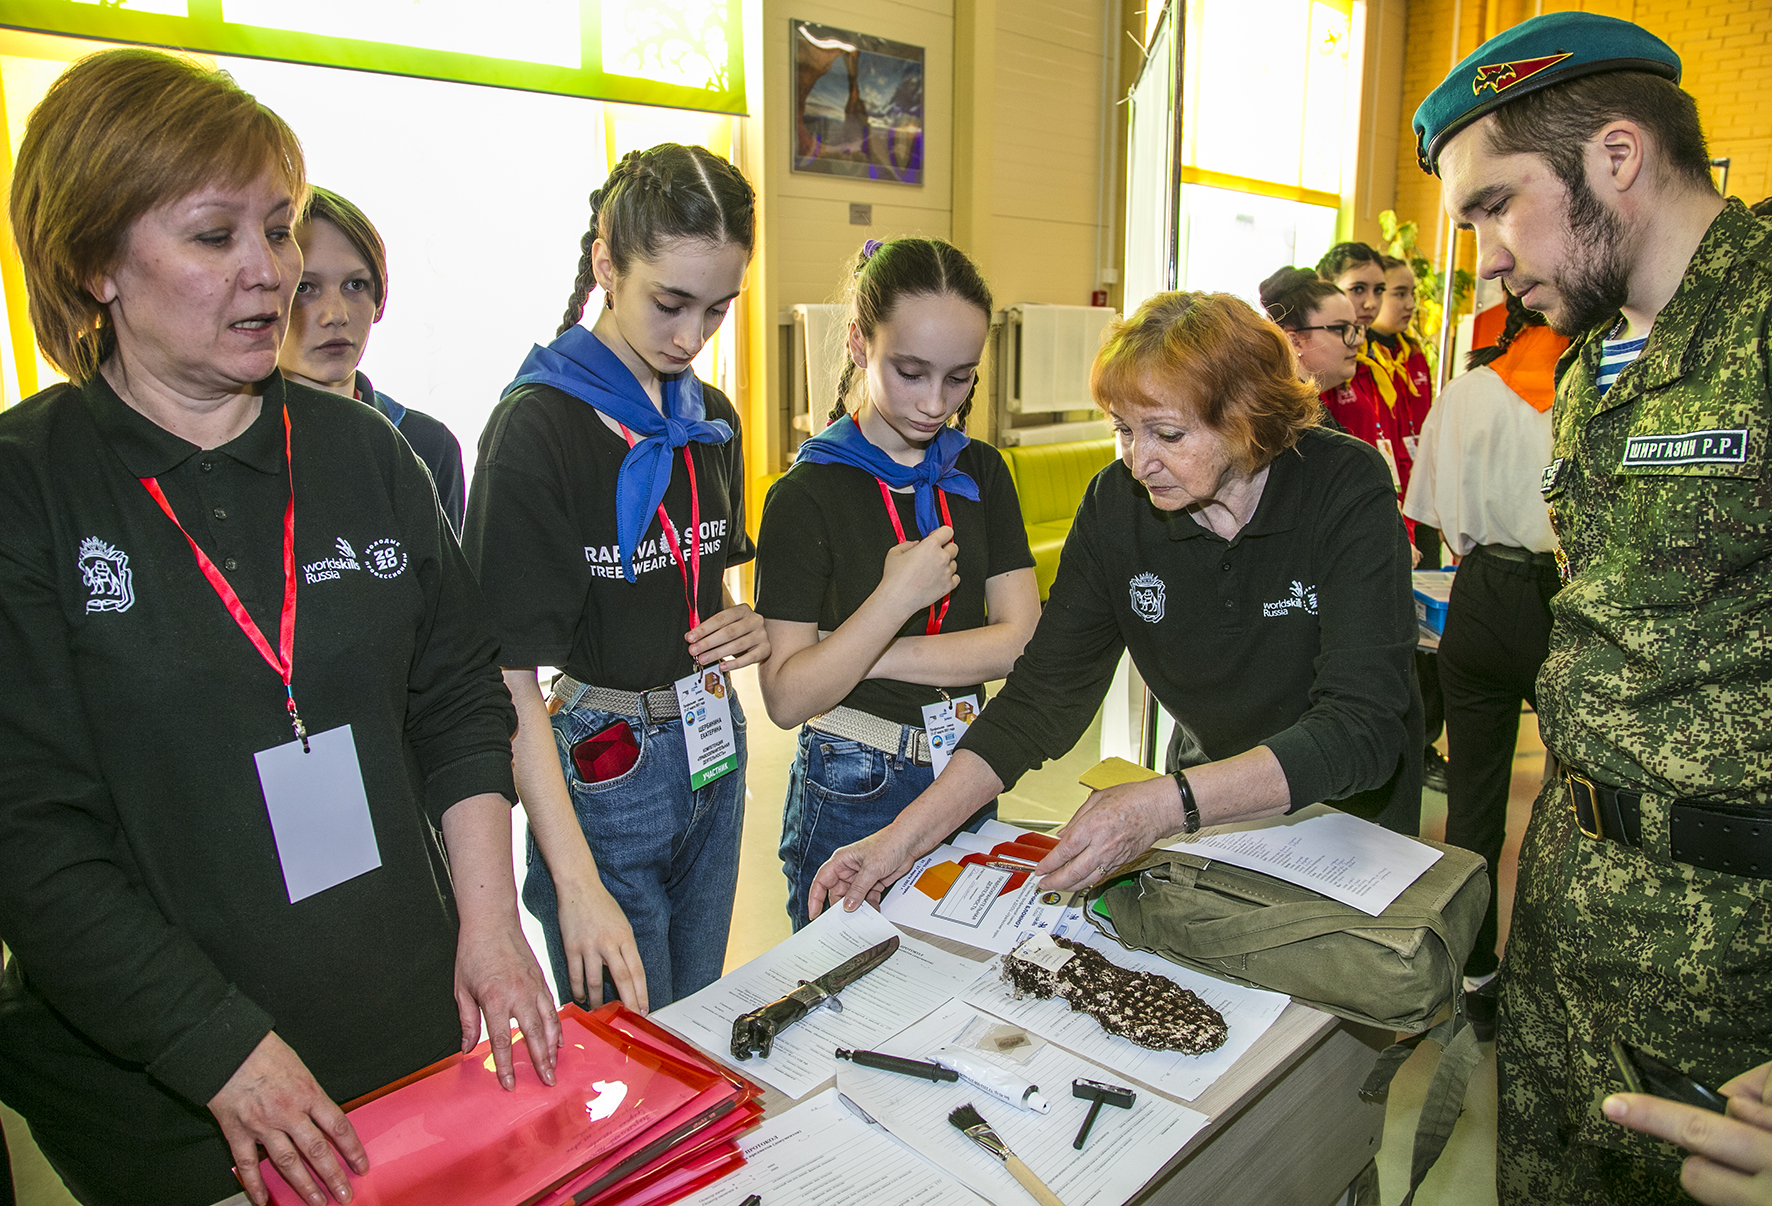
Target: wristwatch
{"type": "Point", "coordinates": [1190, 807]}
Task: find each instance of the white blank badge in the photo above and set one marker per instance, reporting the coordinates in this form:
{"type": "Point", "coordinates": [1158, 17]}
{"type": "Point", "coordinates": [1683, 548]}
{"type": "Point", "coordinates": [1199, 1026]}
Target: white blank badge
{"type": "Point", "coordinates": [319, 812]}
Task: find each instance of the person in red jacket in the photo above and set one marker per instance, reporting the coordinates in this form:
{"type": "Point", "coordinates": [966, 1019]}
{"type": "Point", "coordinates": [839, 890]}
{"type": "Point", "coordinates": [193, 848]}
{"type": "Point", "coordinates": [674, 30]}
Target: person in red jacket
{"type": "Point", "coordinates": [1385, 406]}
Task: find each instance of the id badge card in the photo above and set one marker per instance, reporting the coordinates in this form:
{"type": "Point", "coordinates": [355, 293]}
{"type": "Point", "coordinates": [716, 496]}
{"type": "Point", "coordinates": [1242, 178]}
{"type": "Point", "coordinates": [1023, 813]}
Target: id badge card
{"type": "Point", "coordinates": [946, 721]}
{"type": "Point", "coordinates": [1410, 445]}
{"type": "Point", "coordinates": [1383, 444]}
{"type": "Point", "coordinates": [319, 812]}
{"type": "Point", "coordinates": [712, 746]}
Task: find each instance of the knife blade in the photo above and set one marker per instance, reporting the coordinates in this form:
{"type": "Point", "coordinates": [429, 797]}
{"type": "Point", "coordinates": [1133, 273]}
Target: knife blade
{"type": "Point", "coordinates": [754, 1033]}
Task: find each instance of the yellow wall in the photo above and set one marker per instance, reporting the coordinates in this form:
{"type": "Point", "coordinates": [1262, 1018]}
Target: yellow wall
{"type": "Point", "coordinates": [1725, 47]}
{"type": "Point", "coordinates": [1013, 163]}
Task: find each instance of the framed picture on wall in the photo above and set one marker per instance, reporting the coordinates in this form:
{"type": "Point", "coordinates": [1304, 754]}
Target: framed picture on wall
{"type": "Point", "coordinates": [858, 105]}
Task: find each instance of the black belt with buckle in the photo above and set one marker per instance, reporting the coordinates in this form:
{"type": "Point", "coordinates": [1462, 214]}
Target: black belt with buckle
{"type": "Point", "coordinates": [1702, 837]}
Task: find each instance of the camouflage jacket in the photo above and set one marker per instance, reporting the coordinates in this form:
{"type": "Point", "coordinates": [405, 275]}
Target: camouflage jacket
{"type": "Point", "coordinates": [1660, 668]}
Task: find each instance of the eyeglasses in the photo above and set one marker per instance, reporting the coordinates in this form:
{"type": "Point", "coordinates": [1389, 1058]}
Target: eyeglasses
{"type": "Point", "coordinates": [1349, 333]}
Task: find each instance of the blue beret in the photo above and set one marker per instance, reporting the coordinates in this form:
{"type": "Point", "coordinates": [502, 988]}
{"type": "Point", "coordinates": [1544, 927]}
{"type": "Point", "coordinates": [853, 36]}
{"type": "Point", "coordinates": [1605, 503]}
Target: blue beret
{"type": "Point", "coordinates": [1532, 55]}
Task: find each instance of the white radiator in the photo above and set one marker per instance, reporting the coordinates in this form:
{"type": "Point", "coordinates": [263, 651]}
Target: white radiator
{"type": "Point", "coordinates": [819, 353]}
{"type": "Point", "coordinates": [1050, 349]}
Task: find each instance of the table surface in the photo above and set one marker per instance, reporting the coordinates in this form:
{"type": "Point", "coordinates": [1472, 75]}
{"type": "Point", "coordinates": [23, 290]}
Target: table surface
{"type": "Point", "coordinates": [1293, 1035]}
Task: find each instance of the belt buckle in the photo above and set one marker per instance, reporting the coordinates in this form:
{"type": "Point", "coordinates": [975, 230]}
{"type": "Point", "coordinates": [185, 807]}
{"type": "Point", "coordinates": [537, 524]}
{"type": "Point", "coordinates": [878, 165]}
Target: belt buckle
{"type": "Point", "coordinates": [1577, 784]}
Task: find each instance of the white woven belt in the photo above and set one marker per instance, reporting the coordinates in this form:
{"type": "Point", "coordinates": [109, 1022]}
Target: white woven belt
{"type": "Point", "coordinates": [852, 724]}
{"type": "Point", "coordinates": [660, 703]}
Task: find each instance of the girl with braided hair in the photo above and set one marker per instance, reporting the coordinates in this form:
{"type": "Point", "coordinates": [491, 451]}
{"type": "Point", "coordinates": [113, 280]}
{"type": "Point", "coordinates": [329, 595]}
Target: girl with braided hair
{"type": "Point", "coordinates": [606, 507]}
{"type": "Point", "coordinates": [893, 567]}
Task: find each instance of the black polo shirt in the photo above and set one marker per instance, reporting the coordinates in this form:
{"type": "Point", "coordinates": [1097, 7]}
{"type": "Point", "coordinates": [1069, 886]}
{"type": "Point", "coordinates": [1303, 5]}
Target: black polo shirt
{"type": "Point", "coordinates": [821, 551]}
{"type": "Point", "coordinates": [541, 535]}
{"type": "Point", "coordinates": [153, 941]}
{"type": "Point", "coordinates": [434, 443]}
{"type": "Point", "coordinates": [1296, 635]}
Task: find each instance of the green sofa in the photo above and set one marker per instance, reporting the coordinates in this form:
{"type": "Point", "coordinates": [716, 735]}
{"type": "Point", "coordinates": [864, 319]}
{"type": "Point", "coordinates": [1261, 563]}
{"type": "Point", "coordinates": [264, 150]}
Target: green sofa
{"type": "Point", "coordinates": [1051, 478]}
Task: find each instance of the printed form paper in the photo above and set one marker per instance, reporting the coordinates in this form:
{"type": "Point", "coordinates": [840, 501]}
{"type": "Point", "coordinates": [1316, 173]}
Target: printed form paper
{"type": "Point", "coordinates": [820, 1154]}
{"type": "Point", "coordinates": [1125, 1148]}
{"type": "Point", "coordinates": [1248, 1012]}
{"type": "Point", "coordinates": [983, 905]}
{"type": "Point", "coordinates": [916, 979]}
{"type": "Point", "coordinates": [1355, 862]}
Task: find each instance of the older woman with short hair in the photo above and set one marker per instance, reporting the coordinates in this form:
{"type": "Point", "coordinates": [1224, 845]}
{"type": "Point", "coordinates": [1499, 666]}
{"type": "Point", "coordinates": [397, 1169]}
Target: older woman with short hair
{"type": "Point", "coordinates": [1254, 566]}
{"type": "Point", "coordinates": [220, 873]}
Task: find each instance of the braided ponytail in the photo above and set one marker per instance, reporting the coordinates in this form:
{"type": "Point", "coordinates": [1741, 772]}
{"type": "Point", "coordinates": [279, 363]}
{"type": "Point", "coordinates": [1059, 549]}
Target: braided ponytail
{"type": "Point", "coordinates": [586, 279]}
{"type": "Point", "coordinates": [844, 381]}
{"type": "Point", "coordinates": [666, 193]}
{"type": "Point", "coordinates": [965, 411]}
{"type": "Point", "coordinates": [1518, 319]}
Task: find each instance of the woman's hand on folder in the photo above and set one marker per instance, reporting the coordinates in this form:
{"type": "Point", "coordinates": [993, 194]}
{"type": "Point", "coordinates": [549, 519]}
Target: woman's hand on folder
{"type": "Point", "coordinates": [496, 976]}
{"type": "Point", "coordinates": [272, 1100]}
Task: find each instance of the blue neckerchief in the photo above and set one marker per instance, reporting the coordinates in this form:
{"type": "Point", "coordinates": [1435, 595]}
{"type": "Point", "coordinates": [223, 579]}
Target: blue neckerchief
{"type": "Point", "coordinates": [578, 363]}
{"type": "Point", "coordinates": [842, 443]}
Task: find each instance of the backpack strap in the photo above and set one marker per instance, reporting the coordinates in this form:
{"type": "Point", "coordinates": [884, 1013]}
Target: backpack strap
{"type": "Point", "coordinates": [1445, 1092]}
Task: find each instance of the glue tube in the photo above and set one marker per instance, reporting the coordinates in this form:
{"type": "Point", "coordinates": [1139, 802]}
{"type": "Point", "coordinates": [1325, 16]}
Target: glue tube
{"type": "Point", "coordinates": [994, 1078]}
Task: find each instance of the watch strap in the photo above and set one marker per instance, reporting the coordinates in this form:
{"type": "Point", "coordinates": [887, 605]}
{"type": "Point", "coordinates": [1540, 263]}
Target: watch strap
{"type": "Point", "coordinates": [1190, 807]}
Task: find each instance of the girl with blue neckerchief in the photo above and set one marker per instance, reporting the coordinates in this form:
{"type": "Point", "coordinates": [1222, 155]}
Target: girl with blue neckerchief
{"type": "Point", "coordinates": [606, 507]}
{"type": "Point", "coordinates": [893, 568]}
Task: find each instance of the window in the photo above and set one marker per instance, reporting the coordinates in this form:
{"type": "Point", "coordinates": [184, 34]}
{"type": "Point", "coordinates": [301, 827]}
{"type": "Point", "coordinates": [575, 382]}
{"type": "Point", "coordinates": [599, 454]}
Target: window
{"type": "Point", "coordinates": [1263, 137]}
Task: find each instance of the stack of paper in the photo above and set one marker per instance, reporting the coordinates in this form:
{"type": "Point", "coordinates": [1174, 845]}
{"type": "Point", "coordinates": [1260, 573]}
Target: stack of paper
{"type": "Point", "coordinates": [635, 1116]}
{"type": "Point", "coordinates": [916, 979]}
{"type": "Point", "coordinates": [981, 890]}
{"type": "Point", "coordinates": [821, 1153]}
{"type": "Point", "coordinates": [1343, 857]}
{"type": "Point", "coordinates": [1126, 1148]}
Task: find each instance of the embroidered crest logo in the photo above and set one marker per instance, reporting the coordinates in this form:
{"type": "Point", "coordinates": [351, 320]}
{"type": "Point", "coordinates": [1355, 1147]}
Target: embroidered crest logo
{"type": "Point", "coordinates": [385, 558]}
{"type": "Point", "coordinates": [1303, 598]}
{"type": "Point", "coordinates": [110, 582]}
{"type": "Point", "coordinates": [1147, 598]}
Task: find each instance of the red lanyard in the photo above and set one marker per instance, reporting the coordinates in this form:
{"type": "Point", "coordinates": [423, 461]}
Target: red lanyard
{"type": "Point", "coordinates": [283, 660]}
{"type": "Point", "coordinates": [933, 625]}
{"type": "Point", "coordinates": [691, 590]}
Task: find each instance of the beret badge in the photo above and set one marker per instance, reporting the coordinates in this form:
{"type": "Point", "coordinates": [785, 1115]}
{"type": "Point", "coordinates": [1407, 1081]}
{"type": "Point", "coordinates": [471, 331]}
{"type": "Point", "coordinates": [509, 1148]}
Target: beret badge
{"type": "Point", "coordinates": [1499, 77]}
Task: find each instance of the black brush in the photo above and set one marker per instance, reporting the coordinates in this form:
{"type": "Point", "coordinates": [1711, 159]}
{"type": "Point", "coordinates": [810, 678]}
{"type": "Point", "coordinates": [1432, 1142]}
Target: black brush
{"type": "Point", "coordinates": [967, 1121]}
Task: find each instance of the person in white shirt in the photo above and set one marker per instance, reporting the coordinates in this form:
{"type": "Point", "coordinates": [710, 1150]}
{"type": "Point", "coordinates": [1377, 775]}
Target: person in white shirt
{"type": "Point", "coordinates": [1482, 450]}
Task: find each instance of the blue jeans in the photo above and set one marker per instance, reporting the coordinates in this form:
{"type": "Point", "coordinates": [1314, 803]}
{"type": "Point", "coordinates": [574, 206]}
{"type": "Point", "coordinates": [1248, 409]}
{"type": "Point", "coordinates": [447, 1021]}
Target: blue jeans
{"type": "Point", "coordinates": [839, 792]}
{"type": "Point", "coordinates": [668, 855]}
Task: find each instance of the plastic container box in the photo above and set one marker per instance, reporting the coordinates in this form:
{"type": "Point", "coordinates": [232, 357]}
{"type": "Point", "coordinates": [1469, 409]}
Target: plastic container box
{"type": "Point", "coordinates": [1433, 590]}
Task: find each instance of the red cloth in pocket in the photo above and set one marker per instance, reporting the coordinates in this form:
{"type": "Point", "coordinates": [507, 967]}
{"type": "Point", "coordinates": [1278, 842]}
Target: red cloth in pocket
{"type": "Point", "coordinates": [606, 754]}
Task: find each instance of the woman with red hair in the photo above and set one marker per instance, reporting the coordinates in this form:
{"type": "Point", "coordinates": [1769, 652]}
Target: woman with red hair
{"type": "Point", "coordinates": [1254, 566]}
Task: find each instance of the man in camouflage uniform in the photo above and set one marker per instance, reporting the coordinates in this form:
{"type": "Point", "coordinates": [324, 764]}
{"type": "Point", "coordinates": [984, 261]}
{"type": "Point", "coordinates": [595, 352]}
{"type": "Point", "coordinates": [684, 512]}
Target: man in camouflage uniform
{"type": "Point", "coordinates": [1644, 907]}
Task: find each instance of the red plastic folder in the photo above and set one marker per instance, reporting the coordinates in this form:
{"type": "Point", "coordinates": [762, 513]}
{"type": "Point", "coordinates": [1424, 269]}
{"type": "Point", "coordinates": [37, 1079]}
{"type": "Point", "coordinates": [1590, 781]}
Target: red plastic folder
{"type": "Point", "coordinates": [629, 1099]}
